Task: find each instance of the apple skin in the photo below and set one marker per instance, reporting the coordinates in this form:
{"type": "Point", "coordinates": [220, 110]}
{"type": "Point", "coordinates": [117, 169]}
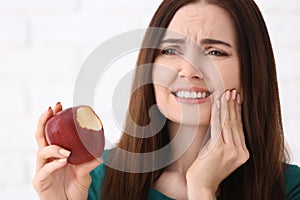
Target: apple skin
{"type": "Point", "coordinates": [65, 131]}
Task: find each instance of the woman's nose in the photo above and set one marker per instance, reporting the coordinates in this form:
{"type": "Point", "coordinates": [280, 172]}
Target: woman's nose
{"type": "Point", "coordinates": [188, 71]}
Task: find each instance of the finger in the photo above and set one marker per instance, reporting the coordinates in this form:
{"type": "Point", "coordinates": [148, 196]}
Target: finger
{"type": "Point", "coordinates": [40, 130]}
{"type": "Point", "coordinates": [82, 172]}
{"type": "Point", "coordinates": [233, 119]}
{"type": "Point", "coordinates": [57, 108]}
{"type": "Point", "coordinates": [240, 122]}
{"type": "Point", "coordinates": [49, 168]}
{"type": "Point", "coordinates": [215, 130]}
{"type": "Point", "coordinates": [85, 168]}
{"type": "Point", "coordinates": [216, 127]}
{"type": "Point", "coordinates": [50, 152]}
{"type": "Point", "coordinates": [226, 131]}
{"type": "Point", "coordinates": [239, 109]}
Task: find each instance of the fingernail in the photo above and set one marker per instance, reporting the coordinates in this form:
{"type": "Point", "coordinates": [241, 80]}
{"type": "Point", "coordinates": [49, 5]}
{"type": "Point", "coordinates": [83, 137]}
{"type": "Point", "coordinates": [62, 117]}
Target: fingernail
{"type": "Point", "coordinates": [227, 95]}
{"type": "Point", "coordinates": [49, 108]}
{"type": "Point", "coordinates": [233, 94]}
{"type": "Point", "coordinates": [64, 152]}
{"type": "Point", "coordinates": [218, 104]}
{"type": "Point", "coordinates": [62, 160]}
{"type": "Point", "coordinates": [58, 103]}
{"type": "Point", "coordinates": [239, 98]}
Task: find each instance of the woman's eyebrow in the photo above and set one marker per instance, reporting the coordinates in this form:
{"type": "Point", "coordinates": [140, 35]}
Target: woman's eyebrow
{"type": "Point", "coordinates": [214, 41]}
{"type": "Point", "coordinates": [173, 40]}
{"type": "Point", "coordinates": [203, 41]}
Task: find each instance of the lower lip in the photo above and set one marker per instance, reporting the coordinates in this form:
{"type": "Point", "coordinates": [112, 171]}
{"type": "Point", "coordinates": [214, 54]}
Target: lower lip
{"type": "Point", "coordinates": [192, 101]}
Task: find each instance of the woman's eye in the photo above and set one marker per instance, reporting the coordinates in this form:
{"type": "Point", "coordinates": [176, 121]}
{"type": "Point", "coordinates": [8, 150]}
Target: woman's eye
{"type": "Point", "coordinates": [169, 51]}
{"type": "Point", "coordinates": [217, 53]}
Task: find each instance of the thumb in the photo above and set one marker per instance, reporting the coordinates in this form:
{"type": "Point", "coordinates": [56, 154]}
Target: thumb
{"type": "Point", "coordinates": [214, 129]}
{"type": "Point", "coordinates": [84, 169]}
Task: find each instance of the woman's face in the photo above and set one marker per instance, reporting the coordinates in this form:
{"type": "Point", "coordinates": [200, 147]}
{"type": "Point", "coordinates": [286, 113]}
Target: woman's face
{"type": "Point", "coordinates": [198, 61]}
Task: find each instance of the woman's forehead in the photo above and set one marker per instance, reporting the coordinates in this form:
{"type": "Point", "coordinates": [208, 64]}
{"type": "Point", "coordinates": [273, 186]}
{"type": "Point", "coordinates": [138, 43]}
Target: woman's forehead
{"type": "Point", "coordinates": [201, 20]}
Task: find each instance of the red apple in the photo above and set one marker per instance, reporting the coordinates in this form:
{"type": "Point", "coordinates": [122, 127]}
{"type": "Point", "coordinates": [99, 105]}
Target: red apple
{"type": "Point", "coordinates": [79, 130]}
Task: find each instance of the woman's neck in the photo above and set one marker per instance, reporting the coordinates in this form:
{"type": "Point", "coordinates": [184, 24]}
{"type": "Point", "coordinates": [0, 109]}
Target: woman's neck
{"type": "Point", "coordinates": [190, 136]}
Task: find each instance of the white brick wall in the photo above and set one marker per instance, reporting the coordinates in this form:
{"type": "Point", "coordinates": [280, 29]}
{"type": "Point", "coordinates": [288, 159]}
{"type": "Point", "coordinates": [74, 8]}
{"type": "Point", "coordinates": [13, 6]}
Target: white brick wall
{"type": "Point", "coordinates": [43, 44]}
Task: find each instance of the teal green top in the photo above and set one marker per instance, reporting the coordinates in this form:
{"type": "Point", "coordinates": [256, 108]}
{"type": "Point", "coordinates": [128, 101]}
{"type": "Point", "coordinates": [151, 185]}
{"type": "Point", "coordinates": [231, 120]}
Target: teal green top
{"type": "Point", "coordinates": [291, 178]}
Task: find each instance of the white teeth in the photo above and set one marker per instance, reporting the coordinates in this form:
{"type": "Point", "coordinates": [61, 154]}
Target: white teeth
{"type": "Point", "coordinates": [199, 94]}
{"type": "Point", "coordinates": [192, 95]}
{"type": "Point", "coordinates": [186, 94]}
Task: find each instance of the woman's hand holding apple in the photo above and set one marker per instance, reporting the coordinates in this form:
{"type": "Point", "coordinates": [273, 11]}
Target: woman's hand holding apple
{"type": "Point", "coordinates": [55, 178]}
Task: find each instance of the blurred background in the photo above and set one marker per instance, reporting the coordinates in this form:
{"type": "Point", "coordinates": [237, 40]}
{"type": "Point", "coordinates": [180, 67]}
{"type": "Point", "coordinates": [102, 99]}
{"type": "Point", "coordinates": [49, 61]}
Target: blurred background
{"type": "Point", "coordinates": [43, 44]}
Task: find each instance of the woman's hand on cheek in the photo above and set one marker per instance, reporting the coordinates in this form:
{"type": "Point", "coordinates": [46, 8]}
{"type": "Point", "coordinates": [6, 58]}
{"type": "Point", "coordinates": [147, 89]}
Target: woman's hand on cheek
{"type": "Point", "coordinates": [224, 152]}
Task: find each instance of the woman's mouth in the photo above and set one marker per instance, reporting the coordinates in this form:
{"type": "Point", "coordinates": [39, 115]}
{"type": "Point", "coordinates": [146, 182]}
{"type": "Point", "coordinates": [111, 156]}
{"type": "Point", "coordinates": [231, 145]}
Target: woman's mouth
{"type": "Point", "coordinates": [186, 96]}
{"type": "Point", "coordinates": [192, 95]}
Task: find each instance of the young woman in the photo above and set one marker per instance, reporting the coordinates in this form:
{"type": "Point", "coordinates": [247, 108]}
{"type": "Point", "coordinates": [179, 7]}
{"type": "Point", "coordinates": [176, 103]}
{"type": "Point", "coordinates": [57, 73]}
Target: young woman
{"type": "Point", "coordinates": [244, 158]}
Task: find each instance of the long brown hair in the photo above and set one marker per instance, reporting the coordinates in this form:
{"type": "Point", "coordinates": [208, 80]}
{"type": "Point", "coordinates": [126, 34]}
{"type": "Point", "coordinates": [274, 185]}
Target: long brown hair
{"type": "Point", "coordinates": [261, 177]}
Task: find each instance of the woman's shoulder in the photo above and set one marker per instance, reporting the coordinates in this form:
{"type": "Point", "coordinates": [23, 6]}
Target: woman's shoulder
{"type": "Point", "coordinates": [292, 181]}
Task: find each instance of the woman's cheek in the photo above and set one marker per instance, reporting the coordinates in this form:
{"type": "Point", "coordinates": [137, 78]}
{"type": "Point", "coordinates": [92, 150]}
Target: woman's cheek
{"type": "Point", "coordinates": [230, 75]}
{"type": "Point", "coordinates": [163, 75]}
